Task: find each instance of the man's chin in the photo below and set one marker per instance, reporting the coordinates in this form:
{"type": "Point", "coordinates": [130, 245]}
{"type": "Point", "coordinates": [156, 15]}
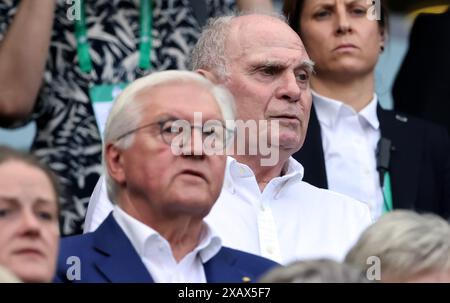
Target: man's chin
{"type": "Point", "coordinates": [289, 143]}
{"type": "Point", "coordinates": [193, 203]}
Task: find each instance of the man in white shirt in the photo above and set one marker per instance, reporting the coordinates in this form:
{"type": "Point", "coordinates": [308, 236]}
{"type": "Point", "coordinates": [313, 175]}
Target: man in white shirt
{"type": "Point", "coordinates": [268, 210]}
{"type": "Point", "coordinates": [163, 183]}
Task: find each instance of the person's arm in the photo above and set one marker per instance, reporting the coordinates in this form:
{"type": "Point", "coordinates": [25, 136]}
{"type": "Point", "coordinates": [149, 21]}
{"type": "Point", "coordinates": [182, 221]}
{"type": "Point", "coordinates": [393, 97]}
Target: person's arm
{"type": "Point", "coordinates": [23, 54]}
{"type": "Point", "coordinates": [260, 5]}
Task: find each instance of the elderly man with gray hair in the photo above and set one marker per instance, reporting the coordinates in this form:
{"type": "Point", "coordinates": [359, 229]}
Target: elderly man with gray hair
{"type": "Point", "coordinates": [265, 208]}
{"type": "Point", "coordinates": [163, 182]}
{"type": "Point", "coordinates": [404, 246]}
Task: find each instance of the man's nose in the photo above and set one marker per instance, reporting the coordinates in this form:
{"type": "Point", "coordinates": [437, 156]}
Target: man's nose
{"type": "Point", "coordinates": [289, 88]}
{"type": "Point", "coordinates": [194, 144]}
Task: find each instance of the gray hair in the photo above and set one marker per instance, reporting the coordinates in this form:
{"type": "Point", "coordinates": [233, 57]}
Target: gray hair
{"type": "Point", "coordinates": [209, 51]}
{"type": "Point", "coordinates": [408, 245]}
{"type": "Point", "coordinates": [315, 271]}
{"type": "Point", "coordinates": [125, 114]}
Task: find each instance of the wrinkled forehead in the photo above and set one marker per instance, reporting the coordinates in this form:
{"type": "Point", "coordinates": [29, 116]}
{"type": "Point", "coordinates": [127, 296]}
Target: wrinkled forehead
{"type": "Point", "coordinates": [249, 34]}
{"type": "Point", "coordinates": [181, 99]}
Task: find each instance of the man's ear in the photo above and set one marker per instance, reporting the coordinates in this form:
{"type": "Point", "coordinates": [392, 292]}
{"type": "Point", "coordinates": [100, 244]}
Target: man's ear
{"type": "Point", "coordinates": [208, 75]}
{"type": "Point", "coordinates": [114, 163]}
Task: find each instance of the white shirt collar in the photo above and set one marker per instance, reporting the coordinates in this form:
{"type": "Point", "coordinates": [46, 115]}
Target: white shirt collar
{"type": "Point", "coordinates": [293, 172]}
{"type": "Point", "coordinates": [369, 113]}
{"type": "Point", "coordinates": [328, 110]}
{"type": "Point", "coordinates": [142, 236]}
{"type": "Point", "coordinates": [294, 169]}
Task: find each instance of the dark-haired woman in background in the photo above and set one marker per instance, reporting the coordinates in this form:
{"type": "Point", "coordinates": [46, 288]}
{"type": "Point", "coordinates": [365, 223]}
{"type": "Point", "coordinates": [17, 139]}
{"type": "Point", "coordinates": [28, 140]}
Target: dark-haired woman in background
{"type": "Point", "coordinates": [353, 146]}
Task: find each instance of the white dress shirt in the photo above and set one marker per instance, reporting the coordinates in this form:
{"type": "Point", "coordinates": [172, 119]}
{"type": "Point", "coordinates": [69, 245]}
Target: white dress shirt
{"type": "Point", "coordinates": [290, 220]}
{"type": "Point", "coordinates": [156, 254]}
{"type": "Point", "coordinates": [349, 141]}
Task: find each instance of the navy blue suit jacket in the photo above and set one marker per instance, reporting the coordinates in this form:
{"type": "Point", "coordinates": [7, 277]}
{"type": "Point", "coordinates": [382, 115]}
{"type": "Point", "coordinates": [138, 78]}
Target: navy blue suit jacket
{"type": "Point", "coordinates": [419, 164]}
{"type": "Point", "coordinates": [107, 255]}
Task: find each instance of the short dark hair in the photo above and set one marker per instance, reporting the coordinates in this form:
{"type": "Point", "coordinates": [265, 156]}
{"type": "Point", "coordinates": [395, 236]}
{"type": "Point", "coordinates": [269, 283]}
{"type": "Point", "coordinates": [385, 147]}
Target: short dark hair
{"type": "Point", "coordinates": [292, 9]}
{"type": "Point", "coordinates": [9, 154]}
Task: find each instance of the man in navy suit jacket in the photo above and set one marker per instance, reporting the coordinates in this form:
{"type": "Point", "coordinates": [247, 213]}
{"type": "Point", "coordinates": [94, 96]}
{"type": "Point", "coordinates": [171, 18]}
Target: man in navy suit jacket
{"type": "Point", "coordinates": [107, 255]}
{"type": "Point", "coordinates": [165, 166]}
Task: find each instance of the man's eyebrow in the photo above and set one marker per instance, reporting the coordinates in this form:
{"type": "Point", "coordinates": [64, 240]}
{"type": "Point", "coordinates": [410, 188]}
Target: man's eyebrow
{"type": "Point", "coordinates": [266, 64]}
{"type": "Point", "coordinates": [307, 65]}
{"type": "Point", "coordinates": [273, 63]}
{"type": "Point", "coordinates": [166, 117]}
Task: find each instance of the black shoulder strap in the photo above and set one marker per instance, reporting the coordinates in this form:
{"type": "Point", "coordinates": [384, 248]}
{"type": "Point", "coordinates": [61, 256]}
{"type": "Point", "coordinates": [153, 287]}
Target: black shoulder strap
{"type": "Point", "coordinates": [200, 11]}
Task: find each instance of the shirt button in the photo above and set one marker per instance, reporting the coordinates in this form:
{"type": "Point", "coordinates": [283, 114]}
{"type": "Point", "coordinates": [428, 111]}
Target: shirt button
{"type": "Point", "coordinates": [269, 250]}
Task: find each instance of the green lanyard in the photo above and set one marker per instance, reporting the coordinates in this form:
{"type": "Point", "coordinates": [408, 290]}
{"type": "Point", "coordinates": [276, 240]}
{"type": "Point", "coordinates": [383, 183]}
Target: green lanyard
{"type": "Point", "coordinates": [145, 37]}
{"type": "Point", "coordinates": [387, 193]}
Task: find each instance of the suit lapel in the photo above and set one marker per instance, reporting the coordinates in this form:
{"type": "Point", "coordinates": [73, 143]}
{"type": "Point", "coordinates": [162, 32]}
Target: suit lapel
{"type": "Point", "coordinates": [311, 154]}
{"type": "Point", "coordinates": [405, 157]}
{"type": "Point", "coordinates": [222, 269]}
{"type": "Point", "coordinates": [119, 261]}
{"type": "Point", "coordinates": [405, 160]}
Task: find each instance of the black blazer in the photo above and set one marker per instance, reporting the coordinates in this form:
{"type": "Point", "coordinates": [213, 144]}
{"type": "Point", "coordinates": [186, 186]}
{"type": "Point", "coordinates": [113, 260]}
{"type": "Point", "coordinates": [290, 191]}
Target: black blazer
{"type": "Point", "coordinates": [422, 84]}
{"type": "Point", "coordinates": [419, 165]}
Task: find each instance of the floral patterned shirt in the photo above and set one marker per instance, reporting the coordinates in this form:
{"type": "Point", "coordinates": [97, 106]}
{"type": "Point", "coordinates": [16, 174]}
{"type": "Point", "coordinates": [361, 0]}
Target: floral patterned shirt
{"type": "Point", "coordinates": [67, 136]}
